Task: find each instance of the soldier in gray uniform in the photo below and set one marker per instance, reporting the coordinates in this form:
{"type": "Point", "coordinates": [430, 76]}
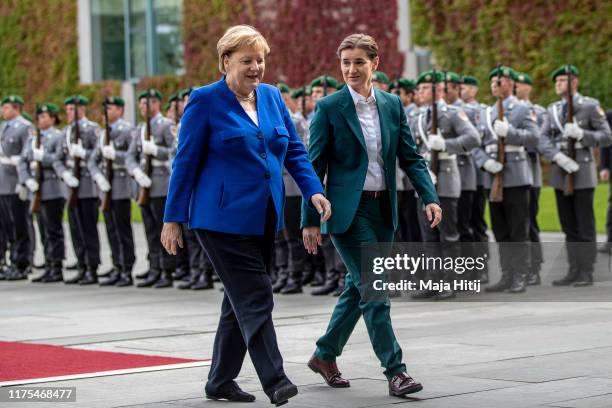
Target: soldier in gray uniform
{"type": "Point", "coordinates": [52, 190]}
{"type": "Point", "coordinates": [160, 148]}
{"type": "Point", "coordinates": [523, 88]}
{"type": "Point", "coordinates": [589, 130]}
{"type": "Point", "coordinates": [509, 218]}
{"type": "Point", "coordinates": [455, 135]}
{"type": "Point", "coordinates": [83, 216]}
{"type": "Point", "coordinates": [14, 217]}
{"type": "Point", "coordinates": [118, 218]}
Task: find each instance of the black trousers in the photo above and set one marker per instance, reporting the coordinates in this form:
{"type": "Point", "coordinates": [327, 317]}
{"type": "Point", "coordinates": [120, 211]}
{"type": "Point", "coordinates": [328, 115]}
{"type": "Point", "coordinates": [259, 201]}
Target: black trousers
{"type": "Point", "coordinates": [479, 226]}
{"type": "Point", "coordinates": [464, 216]}
{"type": "Point", "coordinates": [608, 215]}
{"type": "Point", "coordinates": [242, 262]}
{"type": "Point", "coordinates": [118, 222]}
{"type": "Point", "coordinates": [51, 217]}
{"type": "Point", "coordinates": [198, 260]}
{"type": "Point", "coordinates": [536, 258]}
{"type": "Point", "coordinates": [3, 241]}
{"type": "Point", "coordinates": [510, 224]}
{"type": "Point", "coordinates": [84, 232]}
{"type": "Point", "coordinates": [17, 225]}
{"type": "Point", "coordinates": [293, 237]}
{"type": "Point", "coordinates": [153, 218]}
{"type": "Point", "coordinates": [408, 229]}
{"type": "Point", "coordinates": [578, 223]}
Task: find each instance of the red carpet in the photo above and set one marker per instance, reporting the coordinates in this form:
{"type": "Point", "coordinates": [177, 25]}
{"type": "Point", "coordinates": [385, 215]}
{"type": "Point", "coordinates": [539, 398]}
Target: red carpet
{"type": "Point", "coordinates": [20, 361]}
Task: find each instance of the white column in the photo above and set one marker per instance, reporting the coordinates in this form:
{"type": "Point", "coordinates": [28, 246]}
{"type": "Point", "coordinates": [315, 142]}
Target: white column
{"type": "Point", "coordinates": [129, 96]}
{"type": "Point", "coordinates": [404, 42]}
{"type": "Point", "coordinates": [84, 43]}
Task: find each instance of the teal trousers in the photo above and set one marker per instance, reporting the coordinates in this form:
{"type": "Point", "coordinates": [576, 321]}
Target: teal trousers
{"type": "Point", "coordinates": [369, 226]}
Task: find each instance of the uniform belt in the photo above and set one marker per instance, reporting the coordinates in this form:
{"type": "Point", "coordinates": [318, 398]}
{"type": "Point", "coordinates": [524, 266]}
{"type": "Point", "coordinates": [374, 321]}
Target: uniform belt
{"type": "Point", "coordinates": [492, 148]}
{"type": "Point", "coordinates": [563, 145]}
{"type": "Point", "coordinates": [373, 194]}
{"type": "Point", "coordinates": [7, 161]}
{"type": "Point", "coordinates": [157, 163]}
{"type": "Point", "coordinates": [446, 156]}
{"type": "Point", "coordinates": [118, 166]}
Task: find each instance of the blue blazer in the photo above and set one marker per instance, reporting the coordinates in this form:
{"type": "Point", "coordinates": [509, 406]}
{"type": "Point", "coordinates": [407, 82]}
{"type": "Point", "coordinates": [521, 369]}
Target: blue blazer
{"type": "Point", "coordinates": [226, 168]}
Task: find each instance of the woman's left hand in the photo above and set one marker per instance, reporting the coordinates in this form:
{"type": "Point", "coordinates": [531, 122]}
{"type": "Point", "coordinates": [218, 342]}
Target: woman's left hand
{"type": "Point", "coordinates": [172, 237]}
{"type": "Point", "coordinates": [434, 214]}
{"type": "Point", "coordinates": [322, 205]}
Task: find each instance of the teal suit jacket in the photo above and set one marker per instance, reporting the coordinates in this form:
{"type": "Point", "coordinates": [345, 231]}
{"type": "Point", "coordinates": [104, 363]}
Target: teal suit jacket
{"type": "Point", "coordinates": [337, 150]}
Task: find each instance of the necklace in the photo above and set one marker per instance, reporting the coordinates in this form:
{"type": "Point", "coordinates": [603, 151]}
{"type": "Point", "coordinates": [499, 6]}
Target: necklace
{"type": "Point", "coordinates": [249, 98]}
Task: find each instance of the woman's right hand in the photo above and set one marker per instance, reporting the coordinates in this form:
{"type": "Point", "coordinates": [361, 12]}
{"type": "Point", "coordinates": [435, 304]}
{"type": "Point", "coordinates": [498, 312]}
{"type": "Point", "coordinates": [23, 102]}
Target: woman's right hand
{"type": "Point", "coordinates": [312, 239]}
{"type": "Point", "coordinates": [172, 237]}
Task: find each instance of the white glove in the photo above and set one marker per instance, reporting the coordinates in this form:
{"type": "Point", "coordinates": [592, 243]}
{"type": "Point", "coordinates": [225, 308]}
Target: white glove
{"type": "Point", "coordinates": [15, 160]}
{"type": "Point", "coordinates": [32, 185]}
{"type": "Point", "coordinates": [149, 148]}
{"type": "Point", "coordinates": [501, 127]}
{"type": "Point", "coordinates": [574, 131]}
{"type": "Point", "coordinates": [102, 182]}
{"type": "Point", "coordinates": [108, 152]}
{"type": "Point", "coordinates": [77, 150]}
{"type": "Point", "coordinates": [437, 142]}
{"type": "Point", "coordinates": [493, 166]}
{"type": "Point", "coordinates": [37, 154]}
{"type": "Point", "coordinates": [69, 179]}
{"type": "Point", "coordinates": [434, 178]}
{"type": "Point", "coordinates": [566, 163]}
{"type": "Point", "coordinates": [21, 192]}
{"type": "Point", "coordinates": [142, 179]}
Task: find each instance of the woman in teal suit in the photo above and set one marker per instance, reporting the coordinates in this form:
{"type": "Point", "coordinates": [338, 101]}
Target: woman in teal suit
{"type": "Point", "coordinates": [356, 137]}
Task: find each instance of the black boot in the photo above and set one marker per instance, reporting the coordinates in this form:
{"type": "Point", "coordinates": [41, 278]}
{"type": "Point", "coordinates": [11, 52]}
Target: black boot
{"type": "Point", "coordinates": [318, 279]}
{"type": "Point", "coordinates": [55, 274]}
{"type": "Point", "coordinates": [110, 272]}
{"type": "Point", "coordinates": [204, 281]}
{"type": "Point", "coordinates": [42, 277]}
{"type": "Point", "coordinates": [533, 278]}
{"type": "Point", "coordinates": [125, 278]}
{"type": "Point", "coordinates": [113, 278]}
{"type": "Point", "coordinates": [328, 288]}
{"type": "Point", "coordinates": [152, 277]}
{"type": "Point", "coordinates": [143, 275]}
{"type": "Point", "coordinates": [77, 278]}
{"type": "Point", "coordinates": [180, 274]}
{"type": "Point", "coordinates": [504, 284]}
{"type": "Point", "coordinates": [341, 281]}
{"type": "Point", "coordinates": [90, 277]}
{"type": "Point", "coordinates": [281, 280]}
{"type": "Point", "coordinates": [584, 279]}
{"type": "Point", "coordinates": [519, 283]}
{"type": "Point", "coordinates": [73, 267]}
{"type": "Point", "coordinates": [18, 273]}
{"type": "Point", "coordinates": [568, 279]}
{"type": "Point", "coordinates": [165, 280]}
{"type": "Point", "coordinates": [193, 278]}
{"type": "Point", "coordinates": [293, 286]}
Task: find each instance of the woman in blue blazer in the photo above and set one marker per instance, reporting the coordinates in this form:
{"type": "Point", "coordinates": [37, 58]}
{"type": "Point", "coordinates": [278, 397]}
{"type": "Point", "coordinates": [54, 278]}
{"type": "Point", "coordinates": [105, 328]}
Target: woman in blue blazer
{"type": "Point", "coordinates": [227, 183]}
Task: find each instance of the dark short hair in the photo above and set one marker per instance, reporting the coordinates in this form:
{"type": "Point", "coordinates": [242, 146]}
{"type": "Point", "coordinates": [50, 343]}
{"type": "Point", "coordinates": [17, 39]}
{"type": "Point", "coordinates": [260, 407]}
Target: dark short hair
{"type": "Point", "coordinates": [361, 41]}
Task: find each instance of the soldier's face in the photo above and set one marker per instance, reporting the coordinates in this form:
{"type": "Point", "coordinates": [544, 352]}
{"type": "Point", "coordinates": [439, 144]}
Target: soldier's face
{"type": "Point", "coordinates": [468, 92]}
{"type": "Point", "coordinates": [424, 92]}
{"type": "Point", "coordinates": [561, 84]}
{"type": "Point", "coordinates": [523, 91]}
{"type": "Point", "coordinates": [71, 112]}
{"type": "Point", "coordinates": [154, 106]}
{"type": "Point", "coordinates": [452, 92]}
{"type": "Point", "coordinates": [245, 69]}
{"type": "Point", "coordinates": [380, 85]}
{"type": "Point", "coordinates": [44, 120]}
{"type": "Point", "coordinates": [9, 111]}
{"type": "Point", "coordinates": [505, 88]}
{"type": "Point", "coordinates": [405, 96]}
{"type": "Point", "coordinates": [114, 112]}
{"type": "Point", "coordinates": [357, 68]}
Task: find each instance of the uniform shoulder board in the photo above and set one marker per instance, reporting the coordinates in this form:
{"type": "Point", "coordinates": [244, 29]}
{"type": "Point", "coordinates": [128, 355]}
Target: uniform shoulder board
{"type": "Point", "coordinates": [589, 100]}
{"type": "Point", "coordinates": [533, 115]}
{"type": "Point", "coordinates": [600, 110]}
{"type": "Point", "coordinates": [462, 115]}
{"type": "Point", "coordinates": [444, 108]}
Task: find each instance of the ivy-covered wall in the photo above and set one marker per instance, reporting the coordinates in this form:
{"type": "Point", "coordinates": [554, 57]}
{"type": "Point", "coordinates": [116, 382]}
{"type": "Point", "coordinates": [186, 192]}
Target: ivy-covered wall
{"type": "Point", "coordinates": [532, 36]}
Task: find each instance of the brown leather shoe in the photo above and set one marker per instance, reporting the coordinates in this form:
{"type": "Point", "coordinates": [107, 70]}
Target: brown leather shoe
{"type": "Point", "coordinates": [329, 372]}
{"type": "Point", "coordinates": [403, 384]}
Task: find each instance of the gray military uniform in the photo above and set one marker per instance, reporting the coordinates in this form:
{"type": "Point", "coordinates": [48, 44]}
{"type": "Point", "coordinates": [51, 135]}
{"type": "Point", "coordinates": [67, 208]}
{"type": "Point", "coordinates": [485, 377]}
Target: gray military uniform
{"type": "Point", "coordinates": [122, 133]}
{"type": "Point", "coordinates": [89, 133]}
{"type": "Point", "coordinates": [162, 134]}
{"type": "Point", "coordinates": [523, 133]}
{"type": "Point", "coordinates": [460, 137]}
{"type": "Point", "coordinates": [589, 116]}
{"type": "Point", "coordinates": [52, 186]}
{"type": "Point", "coordinates": [13, 138]}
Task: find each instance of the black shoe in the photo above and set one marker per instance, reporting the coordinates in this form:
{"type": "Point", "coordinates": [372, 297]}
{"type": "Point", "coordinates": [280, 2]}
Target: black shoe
{"type": "Point", "coordinates": [283, 393]}
{"type": "Point", "coordinates": [325, 290]}
{"type": "Point", "coordinates": [125, 278]}
{"type": "Point", "coordinates": [307, 277]}
{"type": "Point", "coordinates": [446, 294]}
{"type": "Point", "coordinates": [164, 281]}
{"type": "Point", "coordinates": [317, 280]}
{"type": "Point", "coordinates": [41, 278]}
{"type": "Point", "coordinates": [17, 274]}
{"type": "Point", "coordinates": [584, 279]}
{"type": "Point", "coordinates": [180, 274]}
{"type": "Point", "coordinates": [72, 267]}
{"type": "Point", "coordinates": [232, 394]}
{"type": "Point", "coordinates": [291, 288]}
{"type": "Point", "coordinates": [108, 273]}
{"type": "Point", "coordinates": [519, 284]}
{"type": "Point", "coordinates": [112, 279]}
{"type": "Point", "coordinates": [423, 294]}
{"type": "Point", "coordinates": [77, 278]}
{"type": "Point", "coordinates": [143, 275]}
{"type": "Point", "coordinates": [90, 277]}
{"type": "Point", "coordinates": [38, 266]}
{"type": "Point", "coordinates": [279, 285]}
{"type": "Point", "coordinates": [204, 282]}
{"type": "Point", "coordinates": [55, 274]}
{"type": "Point", "coordinates": [567, 280]}
{"type": "Point", "coordinates": [504, 283]}
{"type": "Point", "coordinates": [534, 278]}
{"type": "Point", "coordinates": [152, 278]}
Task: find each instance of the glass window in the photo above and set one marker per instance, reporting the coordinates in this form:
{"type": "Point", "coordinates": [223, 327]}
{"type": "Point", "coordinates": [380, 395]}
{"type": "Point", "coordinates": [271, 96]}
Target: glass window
{"type": "Point", "coordinates": [168, 44]}
{"type": "Point", "coordinates": [107, 27]}
{"type": "Point", "coordinates": [138, 38]}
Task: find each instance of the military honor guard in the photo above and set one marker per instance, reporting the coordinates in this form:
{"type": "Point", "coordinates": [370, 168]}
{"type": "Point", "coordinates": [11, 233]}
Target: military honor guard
{"type": "Point", "coordinates": [508, 127]}
{"type": "Point", "coordinates": [573, 127]}
{"type": "Point", "coordinates": [14, 218]}
{"type": "Point", "coordinates": [148, 161]}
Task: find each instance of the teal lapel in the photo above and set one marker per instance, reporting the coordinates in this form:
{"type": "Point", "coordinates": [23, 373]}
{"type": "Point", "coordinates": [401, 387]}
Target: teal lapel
{"type": "Point", "coordinates": [347, 107]}
{"type": "Point", "coordinates": [384, 119]}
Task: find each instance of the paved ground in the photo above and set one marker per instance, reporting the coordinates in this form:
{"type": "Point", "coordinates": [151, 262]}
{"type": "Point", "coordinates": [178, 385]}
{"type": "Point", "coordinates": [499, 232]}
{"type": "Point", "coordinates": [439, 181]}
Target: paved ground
{"type": "Point", "coordinates": [467, 354]}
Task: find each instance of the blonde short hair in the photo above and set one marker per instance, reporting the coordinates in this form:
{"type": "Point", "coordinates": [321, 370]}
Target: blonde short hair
{"type": "Point", "coordinates": [361, 41]}
{"type": "Point", "coordinates": [237, 37]}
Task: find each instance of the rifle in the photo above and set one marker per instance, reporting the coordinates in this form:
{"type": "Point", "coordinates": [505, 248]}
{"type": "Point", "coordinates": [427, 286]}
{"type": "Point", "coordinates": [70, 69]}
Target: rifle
{"type": "Point", "coordinates": [108, 196]}
{"type": "Point", "coordinates": [304, 102]}
{"type": "Point", "coordinates": [497, 187]}
{"type": "Point", "coordinates": [145, 193]}
{"type": "Point", "coordinates": [177, 118]}
{"type": "Point", "coordinates": [445, 86]}
{"type": "Point", "coordinates": [76, 170]}
{"type": "Point", "coordinates": [568, 189]}
{"type": "Point", "coordinates": [324, 85]}
{"type": "Point", "coordinates": [35, 203]}
{"type": "Point", "coordinates": [434, 161]}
